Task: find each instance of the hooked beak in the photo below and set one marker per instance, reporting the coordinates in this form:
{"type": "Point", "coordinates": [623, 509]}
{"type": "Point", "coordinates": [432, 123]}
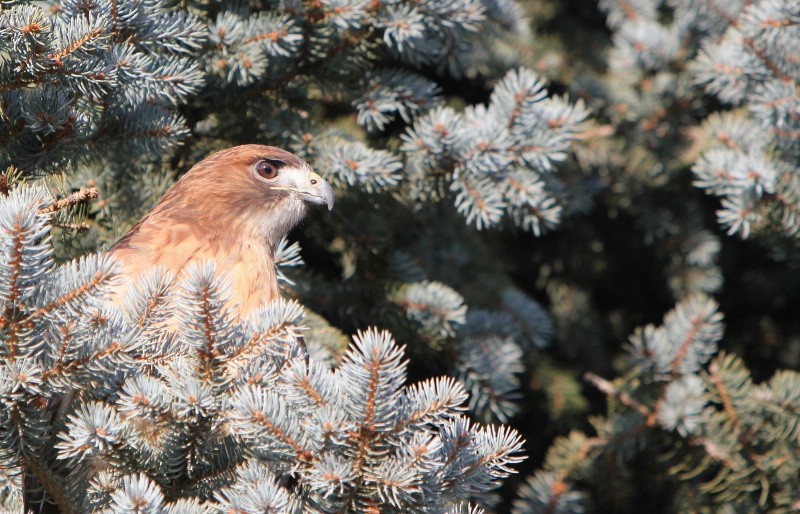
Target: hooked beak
{"type": "Point", "coordinates": [317, 191]}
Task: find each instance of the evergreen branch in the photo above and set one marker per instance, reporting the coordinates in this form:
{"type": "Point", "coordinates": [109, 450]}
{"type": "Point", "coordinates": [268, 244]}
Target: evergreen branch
{"type": "Point", "coordinates": [255, 405]}
{"type": "Point", "coordinates": [303, 454]}
{"type": "Point", "coordinates": [557, 489]}
{"type": "Point", "coordinates": [451, 458]}
{"type": "Point", "coordinates": [22, 81]}
{"type": "Point", "coordinates": [449, 395]}
{"type": "Point", "coordinates": [180, 489]}
{"type": "Point", "coordinates": [366, 431]}
{"type": "Point", "coordinates": [610, 389]}
{"type": "Point", "coordinates": [256, 339]}
{"type": "Point", "coordinates": [712, 6]}
{"type": "Point", "coordinates": [52, 483]}
{"type": "Point", "coordinates": [17, 84]}
{"type": "Point", "coordinates": [761, 54]}
{"type": "Point", "coordinates": [76, 198]}
{"type": "Point", "coordinates": [304, 67]}
{"type": "Point", "coordinates": [685, 345]}
{"type": "Point", "coordinates": [114, 18]}
{"type": "Point", "coordinates": [716, 379]}
{"type": "Point", "coordinates": [75, 365]}
{"type": "Point", "coordinates": [144, 318]}
{"type": "Point", "coordinates": [11, 315]}
{"type": "Point", "coordinates": [69, 49]}
{"type": "Point", "coordinates": [274, 35]}
{"type": "Point", "coordinates": [306, 385]}
{"type": "Point", "coordinates": [30, 461]}
{"type": "Point", "coordinates": [75, 227]}
{"type": "Point", "coordinates": [66, 332]}
{"type": "Point", "coordinates": [716, 452]}
{"type": "Point", "coordinates": [209, 354]}
{"type": "Point", "coordinates": [66, 298]}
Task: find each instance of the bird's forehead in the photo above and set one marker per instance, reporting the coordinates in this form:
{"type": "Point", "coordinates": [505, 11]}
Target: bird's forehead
{"type": "Point", "coordinates": [246, 155]}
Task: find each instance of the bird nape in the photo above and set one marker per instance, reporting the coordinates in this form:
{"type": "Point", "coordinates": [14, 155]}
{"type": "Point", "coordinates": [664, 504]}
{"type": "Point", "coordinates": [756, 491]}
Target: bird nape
{"type": "Point", "coordinates": [232, 208]}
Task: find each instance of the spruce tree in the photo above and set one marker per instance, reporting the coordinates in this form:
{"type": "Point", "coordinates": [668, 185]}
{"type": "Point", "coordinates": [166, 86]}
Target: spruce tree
{"type": "Point", "coordinates": [523, 190]}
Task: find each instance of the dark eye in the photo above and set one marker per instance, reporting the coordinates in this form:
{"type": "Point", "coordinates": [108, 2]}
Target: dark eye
{"type": "Point", "coordinates": [266, 169]}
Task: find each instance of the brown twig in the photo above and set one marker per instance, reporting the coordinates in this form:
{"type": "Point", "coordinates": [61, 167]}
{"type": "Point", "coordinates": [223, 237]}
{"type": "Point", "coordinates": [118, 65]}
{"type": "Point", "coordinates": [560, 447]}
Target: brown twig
{"type": "Point", "coordinates": [81, 196]}
{"type": "Point", "coordinates": [716, 379]}
{"type": "Point", "coordinates": [48, 480]}
{"type": "Point", "coordinates": [80, 228]}
{"type": "Point", "coordinates": [610, 389]}
{"type": "Point", "coordinates": [5, 185]}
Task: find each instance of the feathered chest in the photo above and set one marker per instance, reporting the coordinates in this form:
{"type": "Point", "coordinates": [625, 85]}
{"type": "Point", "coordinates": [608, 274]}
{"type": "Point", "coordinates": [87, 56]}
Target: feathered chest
{"type": "Point", "coordinates": [241, 256]}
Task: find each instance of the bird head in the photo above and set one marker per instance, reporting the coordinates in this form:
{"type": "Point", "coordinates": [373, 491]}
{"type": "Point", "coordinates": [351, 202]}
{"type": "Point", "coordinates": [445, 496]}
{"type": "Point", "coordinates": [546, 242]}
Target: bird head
{"type": "Point", "coordinates": [266, 188]}
{"type": "Point", "coordinates": [271, 172]}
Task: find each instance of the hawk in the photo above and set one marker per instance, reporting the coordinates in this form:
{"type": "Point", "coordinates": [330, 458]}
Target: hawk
{"type": "Point", "coordinates": [233, 208]}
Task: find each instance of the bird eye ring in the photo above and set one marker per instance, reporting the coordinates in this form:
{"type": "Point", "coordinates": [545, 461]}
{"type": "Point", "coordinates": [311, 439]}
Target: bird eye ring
{"type": "Point", "coordinates": [266, 169]}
